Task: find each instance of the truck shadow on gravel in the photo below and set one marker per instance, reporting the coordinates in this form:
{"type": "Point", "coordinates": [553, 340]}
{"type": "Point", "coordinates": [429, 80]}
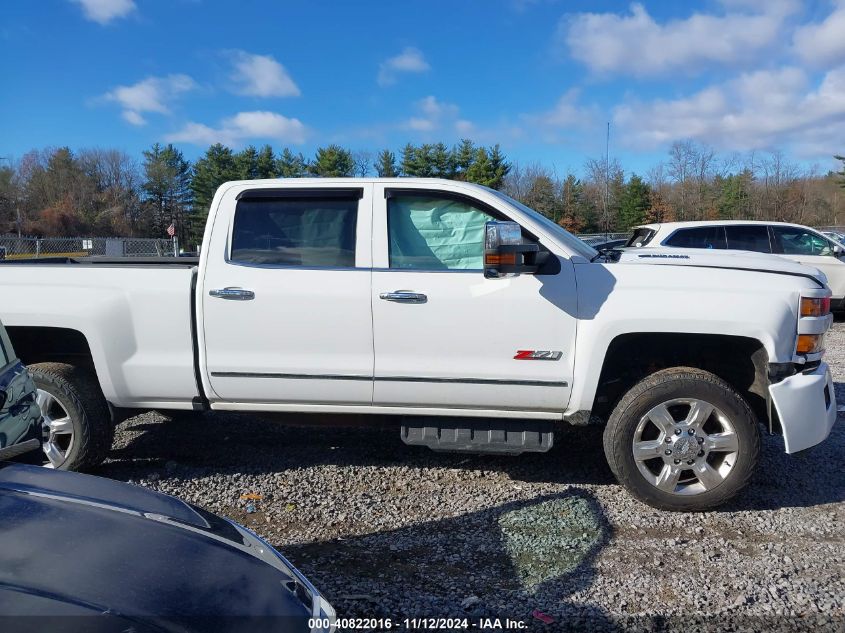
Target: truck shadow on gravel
{"type": "Point", "coordinates": [227, 442]}
{"type": "Point", "coordinates": [534, 554]}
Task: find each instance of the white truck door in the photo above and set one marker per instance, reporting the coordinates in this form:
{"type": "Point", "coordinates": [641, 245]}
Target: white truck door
{"type": "Point", "coordinates": [286, 315]}
{"type": "Point", "coordinates": [813, 249]}
{"type": "Point", "coordinates": [447, 337]}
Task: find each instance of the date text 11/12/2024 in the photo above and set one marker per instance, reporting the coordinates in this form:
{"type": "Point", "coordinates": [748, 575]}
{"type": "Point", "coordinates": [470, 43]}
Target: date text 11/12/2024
{"type": "Point", "coordinates": [421, 624]}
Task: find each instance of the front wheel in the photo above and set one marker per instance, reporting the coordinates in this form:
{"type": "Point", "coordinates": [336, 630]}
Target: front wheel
{"type": "Point", "coordinates": [682, 439]}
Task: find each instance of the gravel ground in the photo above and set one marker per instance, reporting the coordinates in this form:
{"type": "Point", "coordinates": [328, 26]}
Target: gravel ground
{"type": "Point", "coordinates": [393, 531]}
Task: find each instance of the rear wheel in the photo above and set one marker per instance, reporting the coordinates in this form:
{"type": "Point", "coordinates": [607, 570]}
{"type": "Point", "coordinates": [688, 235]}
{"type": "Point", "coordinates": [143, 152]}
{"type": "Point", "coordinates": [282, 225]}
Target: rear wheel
{"type": "Point", "coordinates": [682, 439]}
{"type": "Point", "coordinates": [77, 429]}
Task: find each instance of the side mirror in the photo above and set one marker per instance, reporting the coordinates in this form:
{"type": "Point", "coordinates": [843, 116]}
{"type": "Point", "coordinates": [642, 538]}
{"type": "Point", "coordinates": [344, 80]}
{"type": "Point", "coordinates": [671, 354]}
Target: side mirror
{"type": "Point", "coordinates": [505, 252]}
{"type": "Point", "coordinates": [838, 251]}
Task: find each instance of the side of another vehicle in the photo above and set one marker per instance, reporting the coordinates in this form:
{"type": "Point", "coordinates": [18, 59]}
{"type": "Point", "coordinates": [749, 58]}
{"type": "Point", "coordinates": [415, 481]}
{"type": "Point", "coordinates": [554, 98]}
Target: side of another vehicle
{"type": "Point", "coordinates": [20, 416]}
{"type": "Point", "coordinates": [799, 243]}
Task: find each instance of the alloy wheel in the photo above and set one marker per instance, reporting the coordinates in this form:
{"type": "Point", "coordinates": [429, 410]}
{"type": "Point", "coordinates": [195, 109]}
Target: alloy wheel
{"type": "Point", "coordinates": [56, 428]}
{"type": "Point", "coordinates": [685, 446]}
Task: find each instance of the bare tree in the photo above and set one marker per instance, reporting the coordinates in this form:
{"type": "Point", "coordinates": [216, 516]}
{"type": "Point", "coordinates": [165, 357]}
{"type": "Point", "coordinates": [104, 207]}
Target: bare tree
{"type": "Point", "coordinates": [363, 161]}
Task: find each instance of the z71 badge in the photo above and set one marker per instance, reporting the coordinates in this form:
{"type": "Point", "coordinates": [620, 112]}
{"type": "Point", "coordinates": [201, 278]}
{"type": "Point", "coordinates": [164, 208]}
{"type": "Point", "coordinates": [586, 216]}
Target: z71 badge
{"type": "Point", "coordinates": [537, 354]}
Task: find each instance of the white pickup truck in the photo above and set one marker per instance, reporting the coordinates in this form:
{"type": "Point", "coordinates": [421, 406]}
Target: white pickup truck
{"type": "Point", "coordinates": [480, 322]}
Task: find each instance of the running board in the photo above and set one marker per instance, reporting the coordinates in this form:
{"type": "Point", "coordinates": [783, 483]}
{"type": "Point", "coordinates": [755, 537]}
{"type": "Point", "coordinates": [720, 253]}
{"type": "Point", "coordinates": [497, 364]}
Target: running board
{"type": "Point", "coordinates": [481, 435]}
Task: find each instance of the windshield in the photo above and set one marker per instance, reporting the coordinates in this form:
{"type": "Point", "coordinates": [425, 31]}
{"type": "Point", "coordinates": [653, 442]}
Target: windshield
{"type": "Point", "coordinates": [570, 241]}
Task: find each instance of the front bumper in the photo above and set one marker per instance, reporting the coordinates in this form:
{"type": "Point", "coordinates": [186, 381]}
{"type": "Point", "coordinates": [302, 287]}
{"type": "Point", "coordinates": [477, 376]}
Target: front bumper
{"type": "Point", "coordinates": [806, 406]}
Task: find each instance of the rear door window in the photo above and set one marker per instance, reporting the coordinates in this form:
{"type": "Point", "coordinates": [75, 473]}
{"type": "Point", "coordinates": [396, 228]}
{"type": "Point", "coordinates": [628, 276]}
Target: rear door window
{"type": "Point", "coordinates": [308, 232]}
{"type": "Point", "coordinates": [698, 237]}
{"type": "Point", "coordinates": [752, 237]}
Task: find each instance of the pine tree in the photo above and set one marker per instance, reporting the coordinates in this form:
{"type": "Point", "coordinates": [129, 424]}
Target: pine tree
{"type": "Point", "coordinates": [246, 163]}
{"type": "Point", "coordinates": [409, 161]}
{"type": "Point", "coordinates": [265, 164]}
{"type": "Point", "coordinates": [167, 189]}
{"type": "Point", "coordinates": [499, 167]}
{"type": "Point", "coordinates": [634, 202]}
{"type": "Point", "coordinates": [422, 165]}
{"type": "Point", "coordinates": [481, 170]}
{"type": "Point", "coordinates": [442, 162]}
{"type": "Point", "coordinates": [291, 165]}
{"type": "Point", "coordinates": [464, 155]}
{"type": "Point", "coordinates": [212, 170]}
{"type": "Point", "coordinates": [841, 174]}
{"type": "Point", "coordinates": [573, 216]}
{"type": "Point", "coordinates": [333, 162]}
{"type": "Point", "coordinates": [386, 164]}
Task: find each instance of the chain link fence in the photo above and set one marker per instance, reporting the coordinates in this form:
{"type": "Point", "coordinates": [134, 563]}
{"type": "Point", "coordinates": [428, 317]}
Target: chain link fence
{"type": "Point", "coordinates": [13, 247]}
{"type": "Point", "coordinates": [599, 238]}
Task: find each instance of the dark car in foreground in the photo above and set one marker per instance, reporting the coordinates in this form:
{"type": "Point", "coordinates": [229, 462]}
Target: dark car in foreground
{"type": "Point", "coordinates": [127, 558]}
{"type": "Point", "coordinates": [82, 553]}
{"type": "Point", "coordinates": [20, 416]}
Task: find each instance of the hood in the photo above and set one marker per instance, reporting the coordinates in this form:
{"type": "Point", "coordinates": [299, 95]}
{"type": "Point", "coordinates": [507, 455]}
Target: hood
{"type": "Point", "coordinates": [105, 546]}
{"type": "Point", "coordinates": [728, 259]}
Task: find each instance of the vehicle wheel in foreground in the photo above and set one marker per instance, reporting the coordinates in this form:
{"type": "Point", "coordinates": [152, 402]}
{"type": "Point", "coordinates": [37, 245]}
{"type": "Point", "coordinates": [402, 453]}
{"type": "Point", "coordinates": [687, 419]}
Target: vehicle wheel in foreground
{"type": "Point", "coordinates": [682, 439]}
{"type": "Point", "coordinates": [75, 419]}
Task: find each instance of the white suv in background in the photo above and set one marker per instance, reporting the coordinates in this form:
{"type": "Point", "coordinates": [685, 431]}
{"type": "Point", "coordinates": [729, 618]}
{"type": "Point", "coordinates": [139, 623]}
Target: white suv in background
{"type": "Point", "coordinates": [793, 241]}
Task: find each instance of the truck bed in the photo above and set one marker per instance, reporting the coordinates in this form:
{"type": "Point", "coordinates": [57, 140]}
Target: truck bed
{"type": "Point", "coordinates": [136, 316]}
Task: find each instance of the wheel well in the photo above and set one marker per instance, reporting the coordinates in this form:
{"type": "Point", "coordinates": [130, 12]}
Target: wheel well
{"type": "Point", "coordinates": [738, 360]}
{"type": "Point", "coordinates": [51, 344]}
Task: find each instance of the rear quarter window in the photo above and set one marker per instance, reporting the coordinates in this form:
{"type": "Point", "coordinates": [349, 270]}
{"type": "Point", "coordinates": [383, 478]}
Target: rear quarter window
{"type": "Point", "coordinates": [641, 237]}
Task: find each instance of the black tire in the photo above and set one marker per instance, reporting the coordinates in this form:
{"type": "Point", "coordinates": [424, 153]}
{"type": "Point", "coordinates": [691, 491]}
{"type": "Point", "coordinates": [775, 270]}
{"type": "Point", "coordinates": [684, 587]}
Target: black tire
{"type": "Point", "coordinates": [663, 386]}
{"type": "Point", "coordinates": [78, 392]}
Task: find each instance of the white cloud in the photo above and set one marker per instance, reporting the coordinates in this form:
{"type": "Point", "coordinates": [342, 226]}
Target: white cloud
{"type": "Point", "coordinates": [149, 95]}
{"type": "Point", "coordinates": [465, 127]}
{"type": "Point", "coordinates": [242, 127]}
{"type": "Point", "coordinates": [567, 112]}
{"type": "Point", "coordinates": [758, 110]}
{"type": "Point", "coordinates": [433, 115]}
{"type": "Point", "coordinates": [637, 44]}
{"type": "Point", "coordinates": [104, 11]}
{"type": "Point", "coordinates": [261, 76]}
{"type": "Point", "coordinates": [822, 43]}
{"type": "Point", "coordinates": [132, 117]}
{"type": "Point", "coordinates": [410, 60]}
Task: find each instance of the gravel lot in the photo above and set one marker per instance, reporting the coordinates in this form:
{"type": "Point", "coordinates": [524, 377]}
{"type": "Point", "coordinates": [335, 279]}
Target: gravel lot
{"type": "Point", "coordinates": [393, 531]}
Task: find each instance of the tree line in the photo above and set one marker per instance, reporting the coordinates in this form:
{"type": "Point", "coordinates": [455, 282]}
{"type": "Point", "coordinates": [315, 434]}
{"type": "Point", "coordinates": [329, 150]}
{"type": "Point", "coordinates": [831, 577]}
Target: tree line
{"type": "Point", "coordinates": [107, 192]}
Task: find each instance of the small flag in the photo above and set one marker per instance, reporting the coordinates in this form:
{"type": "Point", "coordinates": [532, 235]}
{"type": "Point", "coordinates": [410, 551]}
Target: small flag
{"type": "Point", "coordinates": [171, 230]}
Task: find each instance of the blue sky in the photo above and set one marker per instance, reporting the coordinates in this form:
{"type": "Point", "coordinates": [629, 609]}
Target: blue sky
{"type": "Point", "coordinates": [541, 77]}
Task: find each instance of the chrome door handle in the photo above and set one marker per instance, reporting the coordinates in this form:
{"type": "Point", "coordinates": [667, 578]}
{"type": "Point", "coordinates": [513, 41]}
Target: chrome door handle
{"type": "Point", "coordinates": [403, 296]}
{"type": "Point", "coordinates": [236, 294]}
